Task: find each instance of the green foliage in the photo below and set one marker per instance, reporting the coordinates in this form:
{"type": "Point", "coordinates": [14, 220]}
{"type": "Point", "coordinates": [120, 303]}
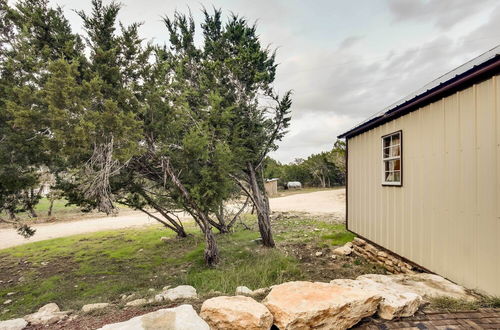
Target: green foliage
{"type": "Point", "coordinates": [33, 35]}
{"type": "Point", "coordinates": [325, 169]}
{"type": "Point", "coordinates": [118, 120]}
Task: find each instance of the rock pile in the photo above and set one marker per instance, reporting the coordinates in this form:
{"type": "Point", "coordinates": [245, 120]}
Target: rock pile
{"type": "Point", "coordinates": [391, 262]}
{"type": "Point", "coordinates": [339, 304]}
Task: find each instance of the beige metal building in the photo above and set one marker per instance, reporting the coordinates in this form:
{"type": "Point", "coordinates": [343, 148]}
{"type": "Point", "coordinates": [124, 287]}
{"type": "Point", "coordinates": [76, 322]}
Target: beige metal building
{"type": "Point", "coordinates": [424, 176]}
{"type": "Point", "coordinates": [271, 186]}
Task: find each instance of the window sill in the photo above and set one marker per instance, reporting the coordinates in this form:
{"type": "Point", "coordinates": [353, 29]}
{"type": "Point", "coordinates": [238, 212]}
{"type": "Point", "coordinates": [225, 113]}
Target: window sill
{"type": "Point", "coordinates": [392, 184]}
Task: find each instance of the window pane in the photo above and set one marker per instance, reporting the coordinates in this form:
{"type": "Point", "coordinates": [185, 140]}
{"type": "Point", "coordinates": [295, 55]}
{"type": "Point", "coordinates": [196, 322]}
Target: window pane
{"type": "Point", "coordinates": [397, 164]}
{"type": "Point", "coordinates": [395, 139]}
{"type": "Point", "coordinates": [387, 152]}
{"type": "Point", "coordinates": [397, 176]}
{"type": "Point", "coordinates": [393, 165]}
{"type": "Point", "coordinates": [389, 176]}
{"type": "Point", "coordinates": [395, 151]}
{"type": "Point", "coordinates": [387, 141]}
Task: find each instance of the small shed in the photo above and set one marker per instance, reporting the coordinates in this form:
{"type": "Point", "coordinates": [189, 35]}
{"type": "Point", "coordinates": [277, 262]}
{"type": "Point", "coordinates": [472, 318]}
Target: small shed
{"type": "Point", "coordinates": [271, 186]}
{"type": "Point", "coordinates": [423, 176]}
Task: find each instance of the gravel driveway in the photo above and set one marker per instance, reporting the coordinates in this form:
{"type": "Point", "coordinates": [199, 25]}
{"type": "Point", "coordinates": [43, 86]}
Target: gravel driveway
{"type": "Point", "coordinates": [329, 201]}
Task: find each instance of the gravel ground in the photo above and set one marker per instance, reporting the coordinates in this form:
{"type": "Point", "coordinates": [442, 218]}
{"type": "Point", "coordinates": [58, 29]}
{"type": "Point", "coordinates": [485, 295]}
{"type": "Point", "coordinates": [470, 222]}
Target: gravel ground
{"type": "Point", "coordinates": [320, 202]}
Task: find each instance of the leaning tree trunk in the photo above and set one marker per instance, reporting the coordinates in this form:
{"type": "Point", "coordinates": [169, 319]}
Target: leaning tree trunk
{"type": "Point", "coordinates": [262, 206]}
{"type": "Point", "coordinates": [211, 249]}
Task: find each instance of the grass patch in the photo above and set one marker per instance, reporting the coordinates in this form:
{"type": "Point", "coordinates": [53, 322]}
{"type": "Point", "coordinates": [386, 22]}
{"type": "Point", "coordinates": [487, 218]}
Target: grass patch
{"type": "Point", "coordinates": [454, 305]}
{"type": "Point", "coordinates": [100, 267]}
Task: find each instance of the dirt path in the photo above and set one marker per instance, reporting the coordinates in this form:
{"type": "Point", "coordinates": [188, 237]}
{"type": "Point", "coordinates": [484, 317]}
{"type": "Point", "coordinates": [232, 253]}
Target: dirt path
{"type": "Point", "coordinates": [319, 202]}
{"type": "Point", "coordinates": [330, 201]}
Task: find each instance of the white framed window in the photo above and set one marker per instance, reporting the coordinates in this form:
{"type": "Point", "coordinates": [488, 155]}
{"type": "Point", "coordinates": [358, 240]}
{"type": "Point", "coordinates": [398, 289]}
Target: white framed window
{"type": "Point", "coordinates": [392, 161]}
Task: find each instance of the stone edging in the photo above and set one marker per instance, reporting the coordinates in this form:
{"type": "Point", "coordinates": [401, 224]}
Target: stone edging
{"type": "Point", "coordinates": [388, 260]}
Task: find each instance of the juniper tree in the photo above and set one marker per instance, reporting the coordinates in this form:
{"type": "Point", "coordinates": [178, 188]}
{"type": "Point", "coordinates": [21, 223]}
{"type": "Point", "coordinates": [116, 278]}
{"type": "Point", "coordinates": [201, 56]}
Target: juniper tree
{"type": "Point", "coordinates": [32, 35]}
{"type": "Point", "coordinates": [244, 71]}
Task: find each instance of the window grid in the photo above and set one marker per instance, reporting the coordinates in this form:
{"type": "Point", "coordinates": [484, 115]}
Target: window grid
{"type": "Point", "coordinates": [391, 159]}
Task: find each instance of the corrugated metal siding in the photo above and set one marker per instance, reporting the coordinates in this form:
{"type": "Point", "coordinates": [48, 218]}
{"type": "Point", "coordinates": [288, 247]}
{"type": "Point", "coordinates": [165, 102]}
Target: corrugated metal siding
{"type": "Point", "coordinates": [446, 216]}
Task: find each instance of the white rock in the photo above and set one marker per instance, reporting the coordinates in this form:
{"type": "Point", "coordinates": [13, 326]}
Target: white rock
{"type": "Point", "coordinates": [343, 251]}
{"type": "Point", "coordinates": [349, 245]}
{"type": "Point", "coordinates": [424, 284]}
{"type": "Point", "coordinates": [243, 291]}
{"type": "Point", "coordinates": [8, 301]}
{"type": "Point", "coordinates": [14, 324]}
{"type": "Point", "coordinates": [395, 302]}
{"type": "Point", "coordinates": [180, 292]}
{"type": "Point", "coordinates": [239, 312]}
{"type": "Point", "coordinates": [46, 315]}
{"type": "Point", "coordinates": [318, 254]}
{"type": "Point", "coordinates": [92, 307]}
{"type": "Point", "coordinates": [137, 302]}
{"type": "Point", "coordinates": [183, 317]}
{"type": "Point", "coordinates": [308, 305]}
{"type": "Point", "coordinates": [11, 294]}
{"type": "Point", "coordinates": [49, 308]}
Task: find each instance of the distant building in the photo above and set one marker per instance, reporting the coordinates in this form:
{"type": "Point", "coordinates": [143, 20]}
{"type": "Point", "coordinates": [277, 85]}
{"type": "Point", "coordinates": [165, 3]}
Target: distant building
{"type": "Point", "coordinates": [294, 185]}
{"type": "Point", "coordinates": [271, 186]}
{"type": "Point", "coordinates": [423, 176]}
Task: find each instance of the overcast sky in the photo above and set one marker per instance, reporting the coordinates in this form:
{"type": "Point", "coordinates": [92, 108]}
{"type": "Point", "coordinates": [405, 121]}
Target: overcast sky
{"type": "Point", "coordinates": [344, 60]}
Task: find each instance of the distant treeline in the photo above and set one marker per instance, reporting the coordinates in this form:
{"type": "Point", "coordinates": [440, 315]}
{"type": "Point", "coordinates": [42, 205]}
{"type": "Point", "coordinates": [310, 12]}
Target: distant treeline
{"type": "Point", "coordinates": [326, 169]}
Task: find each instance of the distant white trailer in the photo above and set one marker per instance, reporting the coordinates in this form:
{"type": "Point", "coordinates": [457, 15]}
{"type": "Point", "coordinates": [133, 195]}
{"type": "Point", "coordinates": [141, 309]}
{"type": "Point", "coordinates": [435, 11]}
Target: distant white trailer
{"type": "Point", "coordinates": [294, 185]}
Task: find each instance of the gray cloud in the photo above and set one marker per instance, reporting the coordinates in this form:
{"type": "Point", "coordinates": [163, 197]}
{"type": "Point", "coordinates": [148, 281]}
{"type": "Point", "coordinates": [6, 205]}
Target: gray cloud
{"type": "Point", "coordinates": [443, 13]}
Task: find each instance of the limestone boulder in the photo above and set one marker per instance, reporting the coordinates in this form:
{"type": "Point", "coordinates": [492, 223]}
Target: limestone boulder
{"type": "Point", "coordinates": [395, 302]}
{"type": "Point", "coordinates": [182, 317]}
{"type": "Point", "coordinates": [93, 307]}
{"type": "Point", "coordinates": [49, 308]}
{"type": "Point", "coordinates": [243, 291]}
{"type": "Point", "coordinates": [14, 324]}
{"type": "Point", "coordinates": [315, 305]}
{"type": "Point", "coordinates": [238, 312]}
{"type": "Point", "coordinates": [423, 284]}
{"type": "Point", "coordinates": [343, 250]}
{"type": "Point", "coordinates": [177, 293]}
{"type": "Point", "coordinates": [46, 315]}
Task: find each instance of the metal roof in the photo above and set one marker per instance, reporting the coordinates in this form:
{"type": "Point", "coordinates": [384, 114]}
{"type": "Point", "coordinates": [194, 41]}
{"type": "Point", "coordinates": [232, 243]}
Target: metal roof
{"type": "Point", "coordinates": [392, 112]}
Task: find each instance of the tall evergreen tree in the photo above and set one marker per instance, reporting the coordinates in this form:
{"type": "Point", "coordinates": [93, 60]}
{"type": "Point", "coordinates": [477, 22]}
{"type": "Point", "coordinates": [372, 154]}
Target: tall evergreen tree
{"type": "Point", "coordinates": [32, 35]}
{"type": "Point", "coordinates": [244, 72]}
